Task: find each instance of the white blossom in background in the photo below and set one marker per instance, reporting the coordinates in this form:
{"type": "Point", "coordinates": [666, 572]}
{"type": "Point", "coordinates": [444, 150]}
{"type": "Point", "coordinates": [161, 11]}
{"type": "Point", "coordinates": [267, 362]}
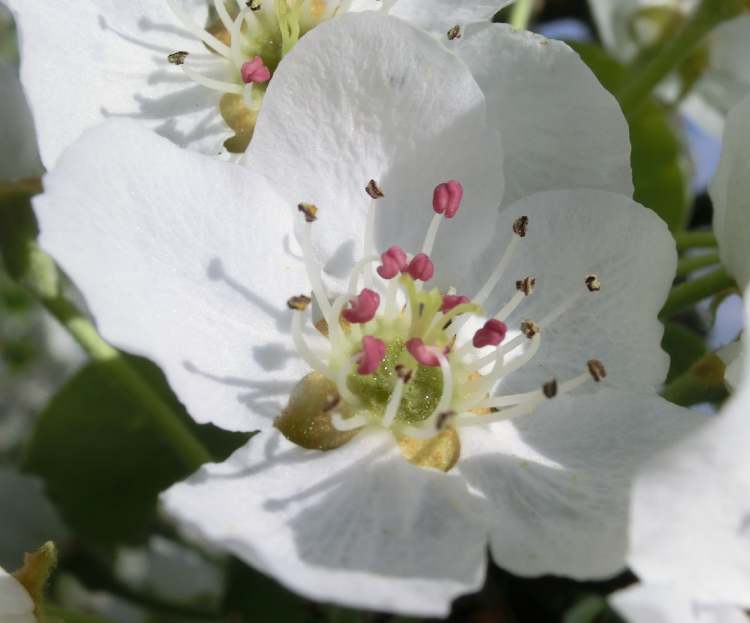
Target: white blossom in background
{"type": "Point", "coordinates": [690, 534]}
{"type": "Point", "coordinates": [626, 26]}
{"type": "Point", "coordinates": [195, 71]}
{"type": "Point", "coordinates": [729, 191]}
{"type": "Point", "coordinates": [493, 379]}
{"type": "Point", "coordinates": [16, 605]}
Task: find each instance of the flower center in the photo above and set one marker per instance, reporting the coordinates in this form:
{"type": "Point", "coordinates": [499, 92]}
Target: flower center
{"type": "Point", "coordinates": [250, 37]}
{"type": "Point", "coordinates": [400, 355]}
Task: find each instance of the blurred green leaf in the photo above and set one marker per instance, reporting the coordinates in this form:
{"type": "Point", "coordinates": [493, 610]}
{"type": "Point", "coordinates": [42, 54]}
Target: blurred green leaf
{"type": "Point", "coordinates": [587, 610]}
{"type": "Point", "coordinates": [684, 346]}
{"type": "Point", "coordinates": [101, 458]}
{"type": "Point", "coordinates": [656, 150]}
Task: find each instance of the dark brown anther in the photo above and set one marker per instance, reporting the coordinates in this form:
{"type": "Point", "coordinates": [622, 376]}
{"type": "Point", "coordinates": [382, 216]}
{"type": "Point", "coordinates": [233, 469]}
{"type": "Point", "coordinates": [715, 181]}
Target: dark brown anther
{"type": "Point", "coordinates": [403, 373]}
{"type": "Point", "coordinates": [530, 328]}
{"type": "Point", "coordinates": [520, 225]}
{"type": "Point", "coordinates": [374, 190]}
{"type": "Point", "coordinates": [549, 389]}
{"type": "Point", "coordinates": [596, 369]}
{"type": "Point", "coordinates": [309, 210]}
{"type": "Point", "coordinates": [593, 283]}
{"type": "Point", "coordinates": [443, 419]}
{"type": "Point", "coordinates": [454, 33]}
{"type": "Point", "coordinates": [299, 303]}
{"type": "Point", "coordinates": [332, 401]}
{"type": "Point", "coordinates": [177, 58]}
{"type": "Point", "coordinates": [526, 285]}
{"type": "Point", "coordinates": [253, 5]}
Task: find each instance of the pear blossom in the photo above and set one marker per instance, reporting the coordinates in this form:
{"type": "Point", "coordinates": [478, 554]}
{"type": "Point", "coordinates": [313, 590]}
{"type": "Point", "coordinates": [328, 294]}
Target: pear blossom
{"type": "Point", "coordinates": [442, 374]}
{"type": "Point", "coordinates": [731, 221]}
{"type": "Point", "coordinates": [16, 605]}
{"type": "Point", "coordinates": [194, 71]}
{"type": "Point", "coordinates": [690, 513]}
{"type": "Point", "coordinates": [721, 67]}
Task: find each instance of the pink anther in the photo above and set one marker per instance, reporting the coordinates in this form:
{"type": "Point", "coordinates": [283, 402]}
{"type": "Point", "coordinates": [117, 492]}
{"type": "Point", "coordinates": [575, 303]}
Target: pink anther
{"type": "Point", "coordinates": [255, 70]}
{"type": "Point", "coordinates": [373, 353]}
{"type": "Point", "coordinates": [422, 353]}
{"type": "Point", "coordinates": [491, 334]}
{"type": "Point", "coordinates": [363, 307]}
{"type": "Point", "coordinates": [394, 261]}
{"type": "Point", "coordinates": [453, 300]}
{"type": "Point", "coordinates": [446, 198]}
{"type": "Point", "coordinates": [421, 267]}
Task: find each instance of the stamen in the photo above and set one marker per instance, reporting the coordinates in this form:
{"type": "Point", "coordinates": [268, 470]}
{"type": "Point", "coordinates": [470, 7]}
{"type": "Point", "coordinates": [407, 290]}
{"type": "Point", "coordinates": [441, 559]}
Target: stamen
{"type": "Point", "coordinates": [420, 268]}
{"type": "Point", "coordinates": [344, 425]}
{"type": "Point", "coordinates": [593, 283]}
{"type": "Point", "coordinates": [299, 302]}
{"type": "Point", "coordinates": [210, 83]}
{"type": "Point", "coordinates": [394, 262]}
{"type": "Point", "coordinates": [526, 285]}
{"type": "Point", "coordinates": [313, 272]}
{"type": "Point", "coordinates": [255, 71]}
{"type": "Point", "coordinates": [374, 190]}
{"type": "Point", "coordinates": [178, 58]}
{"type": "Point", "coordinates": [530, 328]}
{"type": "Point", "coordinates": [491, 334]}
{"type": "Point", "coordinates": [357, 270]}
{"type": "Point", "coordinates": [454, 33]}
{"type": "Point", "coordinates": [425, 355]}
{"type": "Point", "coordinates": [596, 369]}
{"type": "Point", "coordinates": [494, 277]}
{"type": "Point", "coordinates": [341, 384]}
{"type": "Point", "coordinates": [390, 301]}
{"type": "Point", "coordinates": [446, 198]}
{"type": "Point", "coordinates": [363, 307]}
{"type": "Point", "coordinates": [373, 353]}
{"type": "Point", "coordinates": [235, 38]}
{"type": "Point", "coordinates": [309, 210]}
{"type": "Point", "coordinates": [429, 239]}
{"type": "Point", "coordinates": [452, 300]}
{"type": "Point", "coordinates": [549, 389]}
{"type": "Point", "coordinates": [199, 32]}
{"type": "Point", "coordinates": [251, 98]}
{"type": "Point", "coordinates": [394, 401]}
{"type": "Point", "coordinates": [304, 350]}
{"type": "Point", "coordinates": [520, 226]}
{"type": "Point", "coordinates": [221, 11]}
{"type": "Point", "coordinates": [253, 5]}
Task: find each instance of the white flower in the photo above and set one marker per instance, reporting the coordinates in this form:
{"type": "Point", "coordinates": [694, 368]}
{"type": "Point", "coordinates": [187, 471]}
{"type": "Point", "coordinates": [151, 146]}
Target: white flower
{"type": "Point", "coordinates": [192, 262]}
{"type": "Point", "coordinates": [626, 26]}
{"type": "Point", "coordinates": [691, 524]}
{"type": "Point", "coordinates": [193, 70]}
{"type": "Point", "coordinates": [16, 605]}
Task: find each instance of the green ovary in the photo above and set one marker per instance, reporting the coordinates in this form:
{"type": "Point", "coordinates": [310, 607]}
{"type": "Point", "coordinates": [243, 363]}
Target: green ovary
{"type": "Point", "coordinates": [421, 394]}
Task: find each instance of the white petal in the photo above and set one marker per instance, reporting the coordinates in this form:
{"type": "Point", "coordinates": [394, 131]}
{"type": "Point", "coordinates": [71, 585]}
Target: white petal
{"type": "Point", "coordinates": [560, 128]}
{"type": "Point", "coordinates": [647, 603]}
{"type": "Point", "coordinates": [729, 191]}
{"type": "Point", "coordinates": [183, 259]}
{"type": "Point", "coordinates": [691, 510]}
{"type": "Point", "coordinates": [82, 62]}
{"type": "Point", "coordinates": [358, 526]}
{"type": "Point", "coordinates": [438, 16]}
{"type": "Point", "coordinates": [572, 234]}
{"type": "Point", "coordinates": [14, 600]}
{"type": "Point", "coordinates": [559, 479]}
{"type": "Point", "coordinates": [407, 113]}
{"type": "Point", "coordinates": [18, 153]}
{"type": "Point", "coordinates": [733, 356]}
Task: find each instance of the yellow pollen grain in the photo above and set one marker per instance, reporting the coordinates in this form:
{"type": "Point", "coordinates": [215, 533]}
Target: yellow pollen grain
{"type": "Point", "coordinates": [439, 452]}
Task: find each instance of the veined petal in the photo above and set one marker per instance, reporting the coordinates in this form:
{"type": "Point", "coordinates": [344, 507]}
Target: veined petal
{"type": "Point", "coordinates": [560, 127]}
{"type": "Point", "coordinates": [183, 259]}
{"type": "Point", "coordinates": [359, 526]}
{"type": "Point", "coordinates": [729, 191]}
{"type": "Point", "coordinates": [18, 152]}
{"type": "Point", "coordinates": [83, 62]}
{"type": "Point", "coordinates": [570, 235]}
{"type": "Point", "coordinates": [647, 603]}
{"type": "Point", "coordinates": [438, 16]}
{"type": "Point", "coordinates": [559, 479]}
{"type": "Point", "coordinates": [407, 114]}
{"type": "Point", "coordinates": [699, 487]}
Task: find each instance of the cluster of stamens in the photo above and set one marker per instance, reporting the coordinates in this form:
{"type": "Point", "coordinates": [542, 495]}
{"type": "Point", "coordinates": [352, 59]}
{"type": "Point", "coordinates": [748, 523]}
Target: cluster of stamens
{"type": "Point", "coordinates": [249, 31]}
{"type": "Point", "coordinates": [394, 355]}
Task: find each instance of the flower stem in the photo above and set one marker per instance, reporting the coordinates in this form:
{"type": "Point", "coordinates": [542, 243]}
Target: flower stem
{"type": "Point", "coordinates": [694, 239]}
{"type": "Point", "coordinates": [521, 15]}
{"type": "Point", "coordinates": [686, 294]}
{"type": "Point", "coordinates": [642, 81]}
{"type": "Point", "coordinates": [690, 263]}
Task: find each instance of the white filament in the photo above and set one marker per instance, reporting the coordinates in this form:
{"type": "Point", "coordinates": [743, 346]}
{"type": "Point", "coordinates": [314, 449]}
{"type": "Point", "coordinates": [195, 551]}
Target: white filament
{"type": "Point", "coordinates": [210, 83]}
{"type": "Point", "coordinates": [393, 403]}
{"type": "Point", "coordinates": [345, 425]}
{"type": "Point", "coordinates": [199, 32]}
{"type": "Point", "coordinates": [304, 350]}
{"type": "Point", "coordinates": [432, 230]}
{"type": "Point", "coordinates": [313, 275]}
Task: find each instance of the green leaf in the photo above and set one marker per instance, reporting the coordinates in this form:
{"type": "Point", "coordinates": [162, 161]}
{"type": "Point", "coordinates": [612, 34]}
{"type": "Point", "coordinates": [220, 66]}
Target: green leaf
{"type": "Point", "coordinates": [684, 346]}
{"type": "Point", "coordinates": [656, 149]}
{"type": "Point", "coordinates": [586, 610]}
{"type": "Point", "coordinates": [101, 458]}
